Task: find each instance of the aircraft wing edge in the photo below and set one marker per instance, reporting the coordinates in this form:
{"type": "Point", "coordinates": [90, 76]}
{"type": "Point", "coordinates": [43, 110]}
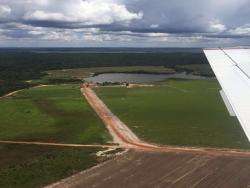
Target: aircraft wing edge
{"type": "Point", "coordinates": [234, 84]}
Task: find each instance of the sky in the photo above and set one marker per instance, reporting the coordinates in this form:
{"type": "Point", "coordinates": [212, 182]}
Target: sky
{"type": "Point", "coordinates": [124, 23]}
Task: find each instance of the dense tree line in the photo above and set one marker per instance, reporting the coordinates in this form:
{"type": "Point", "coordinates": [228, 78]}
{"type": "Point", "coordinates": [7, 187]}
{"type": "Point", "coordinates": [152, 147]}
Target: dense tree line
{"type": "Point", "coordinates": [16, 67]}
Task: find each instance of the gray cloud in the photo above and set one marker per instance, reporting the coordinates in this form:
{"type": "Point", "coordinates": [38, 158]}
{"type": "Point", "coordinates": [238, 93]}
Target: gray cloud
{"type": "Point", "coordinates": [125, 22]}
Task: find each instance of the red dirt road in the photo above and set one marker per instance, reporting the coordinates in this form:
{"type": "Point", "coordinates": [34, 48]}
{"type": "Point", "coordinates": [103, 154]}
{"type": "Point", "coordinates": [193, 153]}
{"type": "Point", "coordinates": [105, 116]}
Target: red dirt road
{"type": "Point", "coordinates": [119, 131]}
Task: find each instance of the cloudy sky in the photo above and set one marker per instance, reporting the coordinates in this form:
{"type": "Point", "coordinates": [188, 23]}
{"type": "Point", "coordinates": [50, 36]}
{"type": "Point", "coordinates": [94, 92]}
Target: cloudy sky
{"type": "Point", "coordinates": [128, 23]}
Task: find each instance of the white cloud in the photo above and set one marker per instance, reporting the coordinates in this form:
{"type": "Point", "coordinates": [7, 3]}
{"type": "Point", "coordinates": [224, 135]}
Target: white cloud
{"type": "Point", "coordinates": [48, 34]}
{"type": "Point", "coordinates": [106, 37]}
{"type": "Point", "coordinates": [156, 35]}
{"type": "Point", "coordinates": [41, 16]}
{"type": "Point", "coordinates": [216, 27]}
{"type": "Point", "coordinates": [111, 21]}
{"type": "Point", "coordinates": [4, 10]}
{"type": "Point", "coordinates": [243, 30]}
{"type": "Point", "coordinates": [60, 35]}
{"type": "Point", "coordinates": [153, 26]}
{"type": "Point", "coordinates": [36, 32]}
{"type": "Point", "coordinates": [88, 12]}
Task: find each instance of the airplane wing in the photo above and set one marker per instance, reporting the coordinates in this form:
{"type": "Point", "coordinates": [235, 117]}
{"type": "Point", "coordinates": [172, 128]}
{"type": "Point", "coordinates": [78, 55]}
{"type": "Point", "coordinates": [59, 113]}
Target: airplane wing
{"type": "Point", "coordinates": [232, 69]}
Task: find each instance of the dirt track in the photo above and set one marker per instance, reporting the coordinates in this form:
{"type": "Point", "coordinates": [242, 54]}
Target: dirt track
{"type": "Point", "coordinates": [119, 131]}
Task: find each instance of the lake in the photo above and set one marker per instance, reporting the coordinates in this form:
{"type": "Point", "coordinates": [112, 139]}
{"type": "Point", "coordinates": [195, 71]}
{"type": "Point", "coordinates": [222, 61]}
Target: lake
{"type": "Point", "coordinates": [140, 78]}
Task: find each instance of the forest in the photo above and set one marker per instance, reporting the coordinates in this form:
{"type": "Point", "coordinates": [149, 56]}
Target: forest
{"type": "Point", "coordinates": [17, 66]}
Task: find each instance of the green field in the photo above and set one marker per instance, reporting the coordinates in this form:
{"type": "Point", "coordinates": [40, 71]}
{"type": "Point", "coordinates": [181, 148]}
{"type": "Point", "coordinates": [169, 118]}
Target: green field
{"type": "Point", "coordinates": [186, 113]}
{"type": "Point", "coordinates": [50, 114]}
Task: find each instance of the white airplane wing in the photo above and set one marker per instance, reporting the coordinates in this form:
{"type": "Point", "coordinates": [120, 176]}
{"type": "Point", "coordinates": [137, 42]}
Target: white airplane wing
{"type": "Point", "coordinates": [232, 69]}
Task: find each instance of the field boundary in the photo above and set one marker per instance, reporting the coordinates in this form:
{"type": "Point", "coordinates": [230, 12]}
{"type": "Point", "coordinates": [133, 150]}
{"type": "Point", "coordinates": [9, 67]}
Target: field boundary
{"type": "Point", "coordinates": [14, 92]}
{"type": "Point", "coordinates": [58, 144]}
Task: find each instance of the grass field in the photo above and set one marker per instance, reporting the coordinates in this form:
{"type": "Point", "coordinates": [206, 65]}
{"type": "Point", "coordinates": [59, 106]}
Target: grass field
{"type": "Point", "coordinates": [50, 114]}
{"type": "Point", "coordinates": [186, 113]}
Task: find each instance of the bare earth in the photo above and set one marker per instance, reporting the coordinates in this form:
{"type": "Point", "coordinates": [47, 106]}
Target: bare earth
{"type": "Point", "coordinates": [157, 169]}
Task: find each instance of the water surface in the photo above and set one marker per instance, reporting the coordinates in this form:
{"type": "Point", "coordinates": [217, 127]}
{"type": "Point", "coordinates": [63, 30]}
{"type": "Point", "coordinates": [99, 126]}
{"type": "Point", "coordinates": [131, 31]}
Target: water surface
{"type": "Point", "coordinates": [140, 78]}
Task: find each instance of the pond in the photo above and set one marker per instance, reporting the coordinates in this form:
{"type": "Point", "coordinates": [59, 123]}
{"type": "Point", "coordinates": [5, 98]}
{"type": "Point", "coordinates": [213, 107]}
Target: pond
{"type": "Point", "coordinates": [140, 78]}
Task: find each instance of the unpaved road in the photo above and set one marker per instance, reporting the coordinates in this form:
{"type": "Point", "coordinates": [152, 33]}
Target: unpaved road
{"type": "Point", "coordinates": [119, 131]}
{"type": "Point", "coordinates": [10, 94]}
{"type": "Point", "coordinates": [140, 169]}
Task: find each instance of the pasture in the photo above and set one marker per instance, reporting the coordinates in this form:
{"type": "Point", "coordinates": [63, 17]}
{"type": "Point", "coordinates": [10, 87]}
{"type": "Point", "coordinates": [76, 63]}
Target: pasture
{"type": "Point", "coordinates": [47, 114]}
{"type": "Point", "coordinates": [177, 112]}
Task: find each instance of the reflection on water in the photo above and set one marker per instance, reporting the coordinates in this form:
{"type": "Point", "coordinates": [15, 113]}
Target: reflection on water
{"type": "Point", "coordinates": [140, 78]}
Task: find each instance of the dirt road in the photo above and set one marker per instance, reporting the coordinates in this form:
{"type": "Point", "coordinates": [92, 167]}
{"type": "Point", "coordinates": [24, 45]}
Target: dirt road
{"type": "Point", "coordinates": [119, 131]}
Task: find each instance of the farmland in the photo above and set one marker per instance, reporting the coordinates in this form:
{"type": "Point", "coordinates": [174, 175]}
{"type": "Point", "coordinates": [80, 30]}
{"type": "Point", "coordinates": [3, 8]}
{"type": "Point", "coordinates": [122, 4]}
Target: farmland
{"type": "Point", "coordinates": [166, 170]}
{"type": "Point", "coordinates": [52, 113]}
{"type": "Point", "coordinates": [172, 112]}
{"type": "Point", "coordinates": [175, 112]}
{"type": "Point", "coordinates": [49, 114]}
